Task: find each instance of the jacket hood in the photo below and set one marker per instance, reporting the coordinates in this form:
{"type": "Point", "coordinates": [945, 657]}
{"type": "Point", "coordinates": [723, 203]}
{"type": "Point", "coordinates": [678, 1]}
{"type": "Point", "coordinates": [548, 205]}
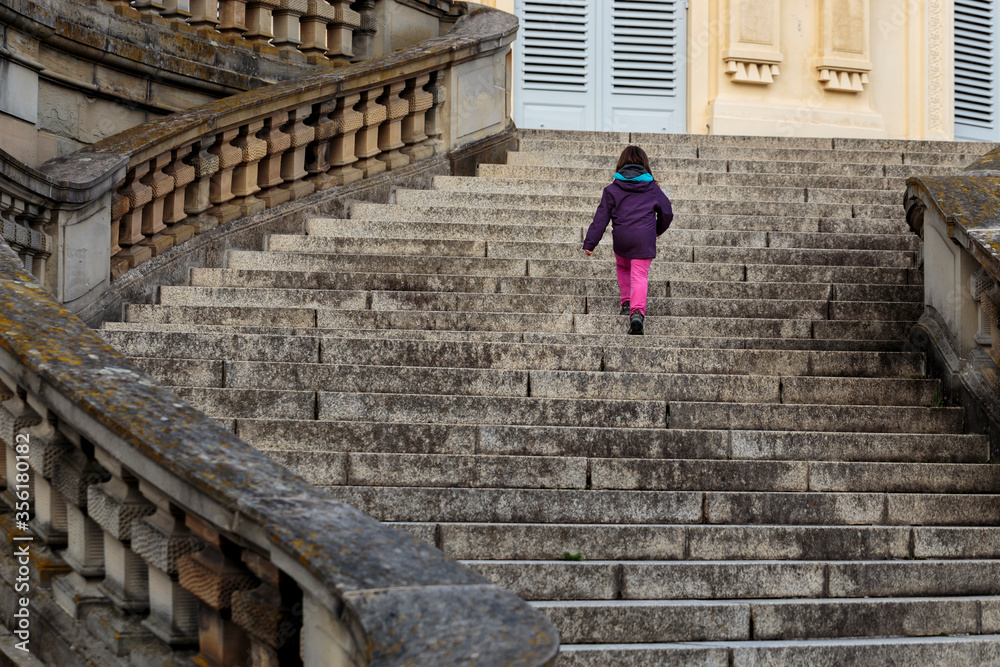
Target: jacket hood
{"type": "Point", "coordinates": [631, 172]}
{"type": "Point", "coordinates": [633, 186]}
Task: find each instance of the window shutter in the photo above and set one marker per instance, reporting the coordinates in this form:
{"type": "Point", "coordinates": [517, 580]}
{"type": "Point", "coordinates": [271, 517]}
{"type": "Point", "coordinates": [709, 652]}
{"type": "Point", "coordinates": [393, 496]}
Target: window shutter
{"type": "Point", "coordinates": [975, 67]}
{"type": "Point", "coordinates": [556, 43]}
{"type": "Point", "coordinates": [644, 42]}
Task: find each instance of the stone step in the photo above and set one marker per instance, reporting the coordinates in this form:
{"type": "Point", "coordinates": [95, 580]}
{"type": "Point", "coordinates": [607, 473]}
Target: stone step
{"type": "Point", "coordinates": [840, 418]}
{"type": "Point", "coordinates": [349, 245]}
{"type": "Point", "coordinates": [593, 506]}
{"type": "Point", "coordinates": [564, 472]}
{"type": "Point", "coordinates": [724, 326]}
{"type": "Point", "coordinates": [547, 541]}
{"type": "Point", "coordinates": [939, 651]}
{"type": "Point", "coordinates": [337, 228]}
{"type": "Point", "coordinates": [651, 340]}
{"type": "Point", "coordinates": [707, 177]}
{"type": "Point", "coordinates": [543, 384]}
{"type": "Point", "coordinates": [555, 150]}
{"type": "Point", "coordinates": [740, 221]}
{"type": "Point", "coordinates": [654, 580]}
{"type": "Point", "coordinates": [665, 621]}
{"type": "Point", "coordinates": [682, 289]}
{"type": "Point", "coordinates": [349, 263]}
{"type": "Point", "coordinates": [814, 143]}
{"type": "Point", "coordinates": [749, 165]}
{"type": "Point", "coordinates": [608, 442]}
{"type": "Point", "coordinates": [565, 187]}
{"type": "Point", "coordinates": [565, 204]}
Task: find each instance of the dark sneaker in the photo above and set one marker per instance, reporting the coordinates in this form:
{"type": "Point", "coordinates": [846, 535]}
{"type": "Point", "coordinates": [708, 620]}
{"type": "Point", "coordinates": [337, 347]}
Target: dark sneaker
{"type": "Point", "coordinates": [624, 310]}
{"type": "Point", "coordinates": [635, 325]}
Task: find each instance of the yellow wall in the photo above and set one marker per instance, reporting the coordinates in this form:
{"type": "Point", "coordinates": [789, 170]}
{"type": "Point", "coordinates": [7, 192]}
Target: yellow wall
{"type": "Point", "coordinates": [906, 58]}
{"type": "Point", "coordinates": [505, 5]}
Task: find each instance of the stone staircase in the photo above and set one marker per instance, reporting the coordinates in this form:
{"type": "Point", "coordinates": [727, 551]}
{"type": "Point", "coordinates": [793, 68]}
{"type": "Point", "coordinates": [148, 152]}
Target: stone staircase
{"type": "Point", "coordinates": [766, 477]}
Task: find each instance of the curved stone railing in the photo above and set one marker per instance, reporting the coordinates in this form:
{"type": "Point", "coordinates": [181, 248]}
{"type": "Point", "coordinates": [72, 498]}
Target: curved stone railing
{"type": "Point", "coordinates": [958, 218]}
{"type": "Point", "coordinates": [177, 534]}
{"type": "Point", "coordinates": [192, 170]}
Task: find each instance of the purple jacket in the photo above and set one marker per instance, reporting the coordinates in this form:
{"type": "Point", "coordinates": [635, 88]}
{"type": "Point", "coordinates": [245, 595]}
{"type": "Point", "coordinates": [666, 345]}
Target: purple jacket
{"type": "Point", "coordinates": [640, 212]}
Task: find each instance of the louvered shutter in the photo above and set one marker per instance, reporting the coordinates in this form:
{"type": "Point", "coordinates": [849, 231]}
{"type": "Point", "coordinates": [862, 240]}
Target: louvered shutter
{"type": "Point", "coordinates": [555, 38]}
{"type": "Point", "coordinates": [975, 70]}
{"type": "Point", "coordinates": [644, 47]}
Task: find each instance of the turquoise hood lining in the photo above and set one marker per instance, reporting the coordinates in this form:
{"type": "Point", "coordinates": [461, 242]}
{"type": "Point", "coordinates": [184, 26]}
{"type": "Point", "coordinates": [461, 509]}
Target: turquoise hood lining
{"type": "Point", "coordinates": [641, 178]}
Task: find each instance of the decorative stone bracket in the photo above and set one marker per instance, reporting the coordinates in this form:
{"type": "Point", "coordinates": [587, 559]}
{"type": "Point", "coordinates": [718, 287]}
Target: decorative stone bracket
{"type": "Point", "coordinates": [843, 80]}
{"type": "Point", "coordinates": [753, 40]}
{"type": "Point", "coordinates": [845, 46]}
{"type": "Point", "coordinates": [748, 71]}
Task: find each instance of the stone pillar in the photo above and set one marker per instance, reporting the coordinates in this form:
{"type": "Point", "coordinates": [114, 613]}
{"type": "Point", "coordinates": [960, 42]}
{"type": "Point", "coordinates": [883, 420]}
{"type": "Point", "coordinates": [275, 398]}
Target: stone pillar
{"type": "Point", "coordinates": [130, 229]}
{"type": "Point", "coordinates": [341, 156]}
{"type": "Point", "coordinates": [390, 131]}
{"type": "Point", "coordinates": [148, 7]}
{"type": "Point", "coordinates": [245, 174]}
{"type": "Point", "coordinates": [162, 540]}
{"type": "Point", "coordinates": [73, 473]}
{"type": "Point", "coordinates": [197, 196]}
{"type": "Point", "coordinates": [293, 161]}
{"type": "Point", "coordinates": [259, 20]}
{"type": "Point", "coordinates": [366, 141]}
{"type": "Point", "coordinates": [286, 24]}
{"type": "Point", "coordinates": [173, 206]}
{"type": "Point", "coordinates": [161, 185]}
{"type": "Point", "coordinates": [221, 191]}
{"type": "Point", "coordinates": [233, 17]}
{"type": "Point", "coordinates": [434, 118]}
{"type": "Point", "coordinates": [364, 35]}
{"type": "Point", "coordinates": [176, 9]}
{"type": "Point", "coordinates": [269, 168]}
{"type": "Point", "coordinates": [845, 50]}
{"type": "Point", "coordinates": [15, 416]}
{"type": "Point", "coordinates": [271, 614]}
{"type": "Point", "coordinates": [317, 155]}
{"type": "Point", "coordinates": [212, 575]}
{"type": "Point", "coordinates": [753, 41]}
{"type": "Point", "coordinates": [47, 445]}
{"type": "Point", "coordinates": [312, 27]}
{"type": "Point", "coordinates": [204, 14]}
{"type": "Point", "coordinates": [340, 32]}
{"type": "Point", "coordinates": [413, 135]}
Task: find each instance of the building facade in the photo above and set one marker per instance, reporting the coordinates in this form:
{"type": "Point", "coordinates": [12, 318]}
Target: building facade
{"type": "Point", "coordinates": [915, 69]}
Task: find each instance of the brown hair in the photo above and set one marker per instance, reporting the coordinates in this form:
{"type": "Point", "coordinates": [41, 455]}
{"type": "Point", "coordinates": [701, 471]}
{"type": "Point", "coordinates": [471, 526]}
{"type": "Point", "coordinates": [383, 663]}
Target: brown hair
{"type": "Point", "coordinates": [634, 155]}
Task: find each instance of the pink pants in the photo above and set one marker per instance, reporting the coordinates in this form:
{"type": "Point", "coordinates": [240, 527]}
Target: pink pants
{"type": "Point", "coordinates": [633, 282]}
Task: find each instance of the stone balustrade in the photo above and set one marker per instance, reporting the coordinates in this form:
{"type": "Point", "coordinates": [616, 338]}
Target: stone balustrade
{"type": "Point", "coordinates": [156, 533]}
{"type": "Point", "coordinates": [958, 219]}
{"type": "Point", "coordinates": [194, 170]}
{"type": "Point", "coordinates": [321, 28]}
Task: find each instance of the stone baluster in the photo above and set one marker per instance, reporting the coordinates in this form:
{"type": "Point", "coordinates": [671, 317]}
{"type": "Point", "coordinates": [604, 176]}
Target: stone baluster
{"type": "Point", "coordinates": [221, 193]}
{"type": "Point", "coordinates": [364, 35]}
{"type": "Point", "coordinates": [269, 168]}
{"type": "Point", "coordinates": [312, 27]}
{"type": "Point", "coordinates": [173, 206]}
{"type": "Point", "coordinates": [232, 17]}
{"type": "Point", "coordinates": [198, 195]}
{"type": "Point", "coordinates": [15, 416]}
{"type": "Point", "coordinates": [413, 135]}
{"type": "Point", "coordinates": [162, 540]}
{"type": "Point", "coordinates": [340, 32]}
{"type": "Point", "coordinates": [161, 185]}
{"type": "Point", "coordinates": [212, 575]}
{"type": "Point", "coordinates": [341, 154]}
{"type": "Point", "coordinates": [119, 207]}
{"type": "Point", "coordinates": [293, 161]}
{"type": "Point", "coordinates": [245, 174]}
{"type": "Point", "coordinates": [259, 20]}
{"type": "Point", "coordinates": [286, 24]}
{"type": "Point", "coordinates": [271, 615]}
{"type": "Point", "coordinates": [114, 505]}
{"type": "Point", "coordinates": [433, 119]}
{"type": "Point", "coordinates": [176, 9]}
{"type": "Point", "coordinates": [47, 445]}
{"type": "Point", "coordinates": [390, 131]}
{"type": "Point", "coordinates": [150, 7]}
{"type": "Point", "coordinates": [130, 230]}
{"type": "Point", "coordinates": [317, 155]}
{"type": "Point", "coordinates": [38, 244]}
{"type": "Point", "coordinates": [6, 393]}
{"type": "Point", "coordinates": [204, 14]}
{"type": "Point", "coordinates": [73, 473]}
{"type": "Point", "coordinates": [366, 141]}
